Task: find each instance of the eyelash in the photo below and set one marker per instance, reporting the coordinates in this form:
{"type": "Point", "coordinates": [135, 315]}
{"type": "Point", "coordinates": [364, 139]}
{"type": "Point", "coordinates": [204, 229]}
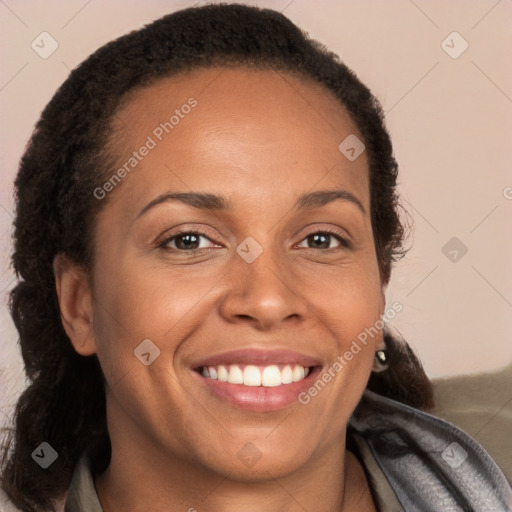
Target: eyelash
{"type": "Point", "coordinates": [330, 231]}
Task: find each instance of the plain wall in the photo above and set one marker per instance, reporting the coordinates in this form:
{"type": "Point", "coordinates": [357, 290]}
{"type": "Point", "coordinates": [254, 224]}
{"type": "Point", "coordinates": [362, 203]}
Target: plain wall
{"type": "Point", "coordinates": [449, 119]}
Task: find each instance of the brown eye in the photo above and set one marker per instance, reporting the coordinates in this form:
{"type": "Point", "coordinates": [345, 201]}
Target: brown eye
{"type": "Point", "coordinates": [185, 241]}
{"type": "Point", "coordinates": [323, 239]}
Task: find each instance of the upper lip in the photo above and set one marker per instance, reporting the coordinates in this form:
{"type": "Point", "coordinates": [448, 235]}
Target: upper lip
{"type": "Point", "coordinates": [258, 357]}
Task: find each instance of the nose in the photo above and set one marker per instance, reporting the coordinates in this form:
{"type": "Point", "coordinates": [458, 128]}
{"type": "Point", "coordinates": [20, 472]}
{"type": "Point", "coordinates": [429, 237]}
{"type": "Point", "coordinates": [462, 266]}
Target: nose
{"type": "Point", "coordinates": [263, 293]}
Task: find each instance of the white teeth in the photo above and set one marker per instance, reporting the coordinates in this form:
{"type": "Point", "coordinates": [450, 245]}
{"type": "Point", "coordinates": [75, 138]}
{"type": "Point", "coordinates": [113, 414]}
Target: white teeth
{"type": "Point", "coordinates": [235, 375]}
{"type": "Point", "coordinates": [251, 375]}
{"type": "Point", "coordinates": [287, 375]}
{"type": "Point", "coordinates": [271, 377]}
{"type": "Point", "coordinates": [298, 373]}
{"type": "Point", "coordinates": [223, 374]}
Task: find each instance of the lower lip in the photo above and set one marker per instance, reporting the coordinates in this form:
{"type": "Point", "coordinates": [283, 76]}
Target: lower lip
{"type": "Point", "coordinates": [259, 398]}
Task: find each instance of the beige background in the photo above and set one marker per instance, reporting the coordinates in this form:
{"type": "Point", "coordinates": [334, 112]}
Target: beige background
{"type": "Point", "coordinates": [449, 118]}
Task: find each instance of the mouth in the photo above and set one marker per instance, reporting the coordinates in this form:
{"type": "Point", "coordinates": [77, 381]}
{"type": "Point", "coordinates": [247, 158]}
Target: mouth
{"type": "Point", "coordinates": [257, 380]}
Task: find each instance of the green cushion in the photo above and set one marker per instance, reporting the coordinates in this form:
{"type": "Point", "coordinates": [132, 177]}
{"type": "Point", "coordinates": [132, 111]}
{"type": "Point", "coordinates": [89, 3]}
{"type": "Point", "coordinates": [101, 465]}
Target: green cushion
{"type": "Point", "coordinates": [481, 405]}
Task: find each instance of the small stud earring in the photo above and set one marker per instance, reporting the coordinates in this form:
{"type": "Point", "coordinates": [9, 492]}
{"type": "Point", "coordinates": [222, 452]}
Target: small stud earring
{"type": "Point", "coordinates": [381, 361]}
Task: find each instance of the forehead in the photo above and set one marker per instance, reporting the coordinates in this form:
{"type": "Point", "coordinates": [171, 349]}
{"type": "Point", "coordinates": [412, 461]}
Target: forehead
{"type": "Point", "coordinates": [270, 96]}
{"type": "Point", "coordinates": [236, 129]}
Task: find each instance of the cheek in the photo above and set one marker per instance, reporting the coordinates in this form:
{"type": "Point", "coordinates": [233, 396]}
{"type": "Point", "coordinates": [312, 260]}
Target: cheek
{"type": "Point", "coordinates": [137, 329]}
{"type": "Point", "coordinates": [354, 318]}
{"type": "Point", "coordinates": [347, 300]}
{"type": "Point", "coordinates": [133, 303]}
{"type": "Point", "coordinates": [349, 307]}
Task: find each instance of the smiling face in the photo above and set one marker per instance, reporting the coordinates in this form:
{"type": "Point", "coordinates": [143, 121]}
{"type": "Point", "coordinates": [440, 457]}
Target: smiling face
{"type": "Point", "coordinates": [278, 270]}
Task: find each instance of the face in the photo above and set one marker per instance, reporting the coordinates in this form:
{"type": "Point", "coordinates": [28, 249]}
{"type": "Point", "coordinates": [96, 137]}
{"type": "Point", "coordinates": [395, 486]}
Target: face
{"type": "Point", "coordinates": [269, 274]}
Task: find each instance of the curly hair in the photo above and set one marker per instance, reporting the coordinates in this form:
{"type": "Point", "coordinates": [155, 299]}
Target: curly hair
{"type": "Point", "coordinates": [68, 157]}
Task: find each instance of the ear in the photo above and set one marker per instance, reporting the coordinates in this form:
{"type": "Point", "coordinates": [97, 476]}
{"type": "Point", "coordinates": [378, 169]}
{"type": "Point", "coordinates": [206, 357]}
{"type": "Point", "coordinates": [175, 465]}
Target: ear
{"type": "Point", "coordinates": [75, 301]}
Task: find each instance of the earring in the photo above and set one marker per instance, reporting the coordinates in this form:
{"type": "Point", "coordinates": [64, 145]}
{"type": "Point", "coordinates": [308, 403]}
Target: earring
{"type": "Point", "coordinates": [380, 363]}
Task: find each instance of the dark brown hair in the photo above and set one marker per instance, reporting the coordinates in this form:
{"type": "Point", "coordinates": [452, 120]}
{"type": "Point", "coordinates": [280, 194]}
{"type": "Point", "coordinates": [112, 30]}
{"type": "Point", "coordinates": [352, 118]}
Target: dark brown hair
{"type": "Point", "coordinates": [67, 159]}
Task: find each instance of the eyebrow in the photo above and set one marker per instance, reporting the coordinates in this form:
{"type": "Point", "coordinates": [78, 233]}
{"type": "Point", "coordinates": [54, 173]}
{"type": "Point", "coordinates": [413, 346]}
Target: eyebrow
{"type": "Point", "coordinates": [213, 202]}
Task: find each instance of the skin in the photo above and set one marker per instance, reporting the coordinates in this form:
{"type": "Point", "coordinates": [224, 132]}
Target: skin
{"type": "Point", "coordinates": [261, 139]}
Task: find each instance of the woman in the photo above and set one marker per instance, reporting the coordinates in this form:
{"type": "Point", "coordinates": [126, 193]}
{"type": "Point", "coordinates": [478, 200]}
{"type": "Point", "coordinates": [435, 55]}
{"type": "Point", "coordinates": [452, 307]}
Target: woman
{"type": "Point", "coordinates": [206, 225]}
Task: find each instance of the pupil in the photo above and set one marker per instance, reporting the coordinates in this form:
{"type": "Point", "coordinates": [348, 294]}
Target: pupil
{"type": "Point", "coordinates": [317, 237]}
{"type": "Point", "coordinates": [187, 240]}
